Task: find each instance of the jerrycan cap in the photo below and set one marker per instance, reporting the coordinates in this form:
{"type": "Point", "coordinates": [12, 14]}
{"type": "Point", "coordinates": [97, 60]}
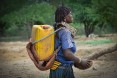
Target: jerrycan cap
{"type": "Point", "coordinates": [45, 27]}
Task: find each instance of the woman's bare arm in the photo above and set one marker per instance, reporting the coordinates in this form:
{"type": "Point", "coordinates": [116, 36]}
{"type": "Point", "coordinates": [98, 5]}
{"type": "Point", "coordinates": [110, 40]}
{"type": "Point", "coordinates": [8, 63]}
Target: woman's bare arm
{"type": "Point", "coordinates": [82, 62]}
{"type": "Point", "coordinates": [69, 55]}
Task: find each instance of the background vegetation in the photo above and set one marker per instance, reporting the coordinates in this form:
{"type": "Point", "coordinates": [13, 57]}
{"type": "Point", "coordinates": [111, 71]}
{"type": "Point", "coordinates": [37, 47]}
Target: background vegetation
{"type": "Point", "coordinates": [90, 16]}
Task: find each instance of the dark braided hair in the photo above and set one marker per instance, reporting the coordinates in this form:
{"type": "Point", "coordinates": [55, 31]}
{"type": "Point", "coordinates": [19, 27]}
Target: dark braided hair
{"type": "Point", "coordinates": [60, 14]}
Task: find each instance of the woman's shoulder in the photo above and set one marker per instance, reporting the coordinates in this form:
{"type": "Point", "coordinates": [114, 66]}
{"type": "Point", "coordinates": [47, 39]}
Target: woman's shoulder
{"type": "Point", "coordinates": [64, 31]}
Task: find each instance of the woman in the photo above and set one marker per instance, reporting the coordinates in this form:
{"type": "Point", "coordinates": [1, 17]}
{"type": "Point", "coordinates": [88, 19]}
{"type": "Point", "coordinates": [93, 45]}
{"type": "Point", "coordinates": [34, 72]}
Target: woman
{"type": "Point", "coordinates": [65, 58]}
{"type": "Point", "coordinates": [64, 38]}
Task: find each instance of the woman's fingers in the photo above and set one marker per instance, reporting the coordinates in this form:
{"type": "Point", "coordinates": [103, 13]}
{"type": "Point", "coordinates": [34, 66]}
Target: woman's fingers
{"type": "Point", "coordinates": [91, 62]}
{"type": "Point", "coordinates": [87, 64]}
{"type": "Point", "coordinates": [84, 63]}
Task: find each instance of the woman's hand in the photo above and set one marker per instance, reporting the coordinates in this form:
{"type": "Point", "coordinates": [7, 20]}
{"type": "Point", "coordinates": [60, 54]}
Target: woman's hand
{"type": "Point", "coordinates": [84, 64]}
{"type": "Point", "coordinates": [79, 63]}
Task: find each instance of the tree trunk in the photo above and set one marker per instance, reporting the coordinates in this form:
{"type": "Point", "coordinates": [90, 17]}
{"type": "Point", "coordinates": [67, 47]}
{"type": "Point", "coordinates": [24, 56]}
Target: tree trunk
{"type": "Point", "coordinates": [86, 28]}
{"type": "Point", "coordinates": [102, 52]}
{"type": "Point", "coordinates": [89, 27]}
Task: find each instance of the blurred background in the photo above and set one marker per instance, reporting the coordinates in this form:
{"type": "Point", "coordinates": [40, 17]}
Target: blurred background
{"type": "Point", "coordinates": [90, 16]}
{"type": "Point", "coordinates": [95, 21]}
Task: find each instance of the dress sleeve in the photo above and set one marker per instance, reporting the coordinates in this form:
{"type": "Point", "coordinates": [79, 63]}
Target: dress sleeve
{"type": "Point", "coordinates": [66, 39]}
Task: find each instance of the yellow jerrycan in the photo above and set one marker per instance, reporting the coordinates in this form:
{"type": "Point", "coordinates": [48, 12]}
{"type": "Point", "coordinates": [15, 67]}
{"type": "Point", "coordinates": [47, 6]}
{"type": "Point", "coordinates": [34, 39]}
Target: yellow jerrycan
{"type": "Point", "coordinates": [44, 47]}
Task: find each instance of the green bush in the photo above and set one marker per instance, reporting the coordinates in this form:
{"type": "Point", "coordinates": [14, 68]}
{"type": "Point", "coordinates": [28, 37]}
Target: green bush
{"type": "Point", "coordinates": [16, 21]}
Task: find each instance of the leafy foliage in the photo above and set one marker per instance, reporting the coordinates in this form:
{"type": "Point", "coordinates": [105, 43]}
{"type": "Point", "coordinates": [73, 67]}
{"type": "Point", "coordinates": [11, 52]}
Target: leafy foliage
{"type": "Point", "coordinates": [107, 11]}
{"type": "Point", "coordinates": [28, 15]}
{"type": "Point", "coordinates": [19, 15]}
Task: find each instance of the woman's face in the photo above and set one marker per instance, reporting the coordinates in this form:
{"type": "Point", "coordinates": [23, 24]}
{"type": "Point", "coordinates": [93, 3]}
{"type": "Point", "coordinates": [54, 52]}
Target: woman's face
{"type": "Point", "coordinates": [68, 18]}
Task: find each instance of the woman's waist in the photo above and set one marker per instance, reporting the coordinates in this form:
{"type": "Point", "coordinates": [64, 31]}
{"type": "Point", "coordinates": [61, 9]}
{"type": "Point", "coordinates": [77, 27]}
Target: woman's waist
{"type": "Point", "coordinates": [61, 65]}
{"type": "Point", "coordinates": [64, 61]}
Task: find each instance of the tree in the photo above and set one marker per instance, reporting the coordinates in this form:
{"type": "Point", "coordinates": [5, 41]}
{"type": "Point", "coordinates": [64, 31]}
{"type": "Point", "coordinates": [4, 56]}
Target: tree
{"type": "Point", "coordinates": [24, 18]}
{"type": "Point", "coordinates": [107, 11]}
{"type": "Point", "coordinates": [86, 16]}
{"type": "Point", "coordinates": [92, 13]}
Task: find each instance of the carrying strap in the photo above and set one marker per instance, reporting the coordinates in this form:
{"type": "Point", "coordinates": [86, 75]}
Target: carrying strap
{"type": "Point", "coordinates": [48, 64]}
{"type": "Point", "coordinates": [43, 65]}
{"type": "Point", "coordinates": [57, 50]}
{"type": "Point", "coordinates": [47, 36]}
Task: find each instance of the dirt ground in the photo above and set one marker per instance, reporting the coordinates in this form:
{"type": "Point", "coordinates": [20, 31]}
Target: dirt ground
{"type": "Point", "coordinates": [15, 62]}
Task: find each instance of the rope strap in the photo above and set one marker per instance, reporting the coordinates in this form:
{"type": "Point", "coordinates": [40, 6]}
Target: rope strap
{"type": "Point", "coordinates": [46, 36]}
{"type": "Point", "coordinates": [56, 51]}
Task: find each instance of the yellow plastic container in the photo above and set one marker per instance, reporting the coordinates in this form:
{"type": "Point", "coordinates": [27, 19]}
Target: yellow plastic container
{"type": "Point", "coordinates": [44, 48]}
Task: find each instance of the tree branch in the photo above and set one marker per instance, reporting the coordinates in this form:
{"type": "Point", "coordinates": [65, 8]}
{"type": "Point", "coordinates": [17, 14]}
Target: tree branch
{"type": "Point", "coordinates": [102, 52]}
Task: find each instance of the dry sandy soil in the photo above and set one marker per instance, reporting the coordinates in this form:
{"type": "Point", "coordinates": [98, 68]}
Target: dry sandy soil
{"type": "Point", "coordinates": [15, 62]}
